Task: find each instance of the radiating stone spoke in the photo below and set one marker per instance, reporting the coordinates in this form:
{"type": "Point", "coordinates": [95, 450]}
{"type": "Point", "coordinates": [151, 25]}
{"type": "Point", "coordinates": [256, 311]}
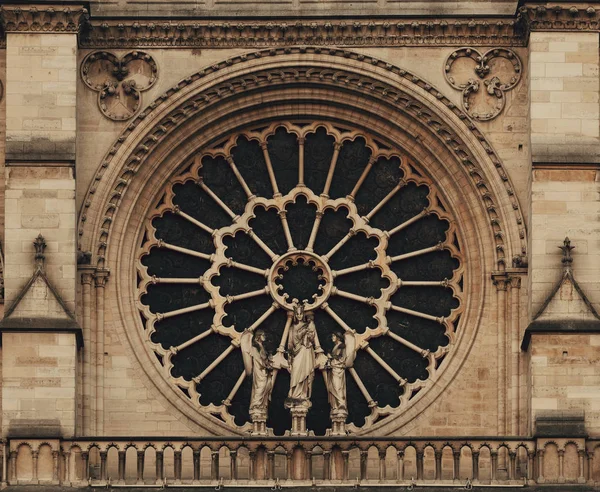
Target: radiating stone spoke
{"type": "Point", "coordinates": [357, 268]}
{"type": "Point", "coordinates": [386, 199]}
{"type": "Point", "coordinates": [406, 343]}
{"type": "Point", "coordinates": [192, 341]}
{"type": "Point", "coordinates": [338, 320]}
{"type": "Point", "coordinates": [362, 387]}
{"type": "Point", "coordinates": [216, 199]}
{"type": "Point", "coordinates": [247, 295]}
{"type": "Point", "coordinates": [362, 178]}
{"type": "Point", "coordinates": [418, 314]}
{"type": "Point", "coordinates": [239, 177]}
{"type": "Point", "coordinates": [399, 379]}
{"type": "Point", "coordinates": [264, 147]}
{"type": "Point", "coordinates": [235, 389]}
{"type": "Point", "coordinates": [301, 142]}
{"type": "Point", "coordinates": [438, 247]}
{"type": "Point", "coordinates": [263, 317]}
{"type": "Point", "coordinates": [334, 158]}
{"type": "Point", "coordinates": [262, 245]}
{"type": "Point", "coordinates": [314, 230]}
{"type": "Point", "coordinates": [214, 364]}
{"type": "Point", "coordinates": [349, 295]}
{"type": "Point", "coordinates": [177, 280]}
{"type": "Point", "coordinates": [408, 222]}
{"type": "Point", "coordinates": [162, 244]}
{"type": "Point", "coordinates": [189, 309]}
{"type": "Point", "coordinates": [424, 283]}
{"type": "Point", "coordinates": [286, 230]}
{"type": "Point", "coordinates": [194, 221]}
{"type": "Point", "coordinates": [248, 268]}
{"type": "Point", "coordinates": [339, 244]}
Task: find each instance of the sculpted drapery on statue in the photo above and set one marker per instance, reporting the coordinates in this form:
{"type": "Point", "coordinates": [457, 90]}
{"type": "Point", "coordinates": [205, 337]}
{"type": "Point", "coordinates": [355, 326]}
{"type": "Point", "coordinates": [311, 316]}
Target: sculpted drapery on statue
{"type": "Point", "coordinates": [342, 356]}
{"type": "Point", "coordinates": [259, 364]}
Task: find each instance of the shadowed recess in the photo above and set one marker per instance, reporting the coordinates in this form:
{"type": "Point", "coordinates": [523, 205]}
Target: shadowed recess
{"type": "Point", "coordinates": [267, 225]}
{"type": "Point", "coordinates": [191, 361]}
{"type": "Point", "coordinates": [366, 283]}
{"type": "Point", "coordinates": [250, 160]}
{"type": "Point", "coordinates": [382, 387]}
{"type": "Point", "coordinates": [406, 362]}
{"type": "Point", "coordinates": [335, 224]}
{"type": "Point", "coordinates": [194, 201]}
{"type": "Point", "coordinates": [436, 265]}
{"type": "Point", "coordinates": [171, 332]}
{"type": "Point", "coordinates": [215, 387]}
{"type": "Point", "coordinates": [176, 230]}
{"type": "Point", "coordinates": [243, 249]}
{"type": "Point", "coordinates": [352, 159]}
{"type": "Point", "coordinates": [301, 217]}
{"type": "Point", "coordinates": [357, 315]}
{"type": "Point", "coordinates": [384, 175]}
{"type": "Point", "coordinates": [424, 333]}
{"type": "Point", "coordinates": [219, 177]}
{"type": "Point", "coordinates": [358, 250]}
{"type": "Point", "coordinates": [283, 151]}
{"type": "Point", "coordinates": [408, 202]}
{"type": "Point", "coordinates": [318, 151]}
{"type": "Point", "coordinates": [168, 263]}
{"type": "Point", "coordinates": [232, 281]}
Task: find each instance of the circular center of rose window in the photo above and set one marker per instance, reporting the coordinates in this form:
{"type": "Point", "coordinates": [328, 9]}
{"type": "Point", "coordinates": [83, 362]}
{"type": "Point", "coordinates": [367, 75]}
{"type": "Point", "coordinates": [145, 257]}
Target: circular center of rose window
{"type": "Point", "coordinates": [300, 277]}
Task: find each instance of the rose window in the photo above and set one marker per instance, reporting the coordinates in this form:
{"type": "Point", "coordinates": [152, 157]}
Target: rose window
{"type": "Point", "coordinates": [331, 218]}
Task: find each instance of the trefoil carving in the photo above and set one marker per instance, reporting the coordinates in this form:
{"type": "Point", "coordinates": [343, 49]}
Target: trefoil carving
{"type": "Point", "coordinates": [119, 81]}
{"type": "Point", "coordinates": [483, 79]}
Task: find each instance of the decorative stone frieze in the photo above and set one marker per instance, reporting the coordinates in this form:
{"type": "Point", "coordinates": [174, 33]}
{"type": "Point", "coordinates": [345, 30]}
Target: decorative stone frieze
{"type": "Point", "coordinates": [548, 16]}
{"type": "Point", "coordinates": [42, 18]}
{"type": "Point", "coordinates": [258, 33]}
{"type": "Point", "coordinates": [119, 81]}
{"type": "Point", "coordinates": [483, 79]}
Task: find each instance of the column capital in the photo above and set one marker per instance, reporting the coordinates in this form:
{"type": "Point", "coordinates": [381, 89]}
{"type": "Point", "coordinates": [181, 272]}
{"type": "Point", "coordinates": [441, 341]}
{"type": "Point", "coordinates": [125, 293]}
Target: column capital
{"type": "Point", "coordinates": [501, 280]}
{"type": "Point", "coordinates": [44, 18]}
{"type": "Point", "coordinates": [101, 277]}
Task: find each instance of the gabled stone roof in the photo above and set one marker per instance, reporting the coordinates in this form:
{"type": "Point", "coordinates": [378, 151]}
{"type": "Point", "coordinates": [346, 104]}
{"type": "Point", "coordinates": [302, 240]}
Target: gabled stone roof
{"type": "Point", "coordinates": [567, 309]}
{"type": "Point", "coordinates": [39, 306]}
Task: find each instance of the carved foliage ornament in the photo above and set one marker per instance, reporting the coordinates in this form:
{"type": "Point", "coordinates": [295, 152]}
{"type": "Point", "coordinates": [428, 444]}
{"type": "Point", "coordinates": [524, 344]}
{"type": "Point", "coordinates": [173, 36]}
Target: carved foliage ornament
{"type": "Point", "coordinates": [16, 18]}
{"type": "Point", "coordinates": [483, 79]}
{"type": "Point", "coordinates": [119, 81]}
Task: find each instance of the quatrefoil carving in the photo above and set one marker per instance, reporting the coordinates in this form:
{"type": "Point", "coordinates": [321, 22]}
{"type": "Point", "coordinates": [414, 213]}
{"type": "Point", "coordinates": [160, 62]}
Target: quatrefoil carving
{"type": "Point", "coordinates": [119, 81]}
{"type": "Point", "coordinates": [483, 79]}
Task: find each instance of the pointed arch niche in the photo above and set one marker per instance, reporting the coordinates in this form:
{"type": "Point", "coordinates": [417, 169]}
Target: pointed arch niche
{"type": "Point", "coordinates": [293, 88]}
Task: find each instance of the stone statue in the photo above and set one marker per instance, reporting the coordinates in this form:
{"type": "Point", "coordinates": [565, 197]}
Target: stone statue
{"type": "Point", "coordinates": [304, 356]}
{"type": "Point", "coordinates": [341, 357]}
{"type": "Point", "coordinates": [259, 364]}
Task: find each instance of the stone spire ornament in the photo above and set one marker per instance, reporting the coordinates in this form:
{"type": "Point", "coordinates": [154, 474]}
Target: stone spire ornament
{"type": "Point", "coordinates": [567, 259]}
{"type": "Point", "coordinates": [40, 246]}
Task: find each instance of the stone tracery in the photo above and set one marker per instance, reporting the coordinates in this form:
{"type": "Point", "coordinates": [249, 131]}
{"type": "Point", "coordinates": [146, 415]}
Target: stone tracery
{"type": "Point", "coordinates": [371, 229]}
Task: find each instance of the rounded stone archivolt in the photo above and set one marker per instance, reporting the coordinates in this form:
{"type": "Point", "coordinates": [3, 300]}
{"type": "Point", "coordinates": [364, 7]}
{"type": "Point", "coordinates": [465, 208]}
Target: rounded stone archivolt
{"type": "Point", "coordinates": [395, 107]}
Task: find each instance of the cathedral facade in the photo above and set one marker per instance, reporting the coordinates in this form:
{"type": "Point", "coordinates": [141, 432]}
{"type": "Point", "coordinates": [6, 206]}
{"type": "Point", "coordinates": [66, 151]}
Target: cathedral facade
{"type": "Point", "coordinates": [300, 243]}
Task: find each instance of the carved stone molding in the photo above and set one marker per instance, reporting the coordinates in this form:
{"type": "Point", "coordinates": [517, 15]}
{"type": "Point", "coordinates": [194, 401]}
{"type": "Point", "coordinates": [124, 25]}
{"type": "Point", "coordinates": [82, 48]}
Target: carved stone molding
{"type": "Point", "coordinates": [269, 78]}
{"type": "Point", "coordinates": [263, 33]}
{"type": "Point", "coordinates": [42, 18]}
{"type": "Point", "coordinates": [546, 16]}
{"type": "Point", "coordinates": [483, 79]}
{"type": "Point", "coordinates": [119, 81]}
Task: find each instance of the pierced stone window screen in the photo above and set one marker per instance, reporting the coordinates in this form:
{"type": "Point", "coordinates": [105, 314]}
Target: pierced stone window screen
{"type": "Point", "coordinates": [326, 215]}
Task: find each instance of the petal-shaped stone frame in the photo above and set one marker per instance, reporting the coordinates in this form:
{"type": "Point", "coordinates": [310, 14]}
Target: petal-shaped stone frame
{"type": "Point", "coordinates": [119, 81]}
{"type": "Point", "coordinates": [483, 79]}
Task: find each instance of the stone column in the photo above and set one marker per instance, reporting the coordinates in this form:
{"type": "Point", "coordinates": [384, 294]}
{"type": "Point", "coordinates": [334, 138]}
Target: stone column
{"type": "Point", "coordinates": [100, 277]}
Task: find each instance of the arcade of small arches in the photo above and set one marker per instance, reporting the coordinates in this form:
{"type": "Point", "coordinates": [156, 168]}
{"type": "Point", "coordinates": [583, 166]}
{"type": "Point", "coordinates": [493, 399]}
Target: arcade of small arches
{"type": "Point", "coordinates": [343, 461]}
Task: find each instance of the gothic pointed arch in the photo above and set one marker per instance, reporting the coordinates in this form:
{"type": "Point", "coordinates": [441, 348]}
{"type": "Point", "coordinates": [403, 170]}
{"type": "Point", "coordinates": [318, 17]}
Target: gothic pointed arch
{"type": "Point", "coordinates": [345, 97]}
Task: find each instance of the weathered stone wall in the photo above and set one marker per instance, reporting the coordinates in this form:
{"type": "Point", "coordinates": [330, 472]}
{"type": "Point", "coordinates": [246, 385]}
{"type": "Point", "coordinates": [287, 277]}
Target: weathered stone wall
{"type": "Point", "coordinates": [564, 375]}
{"type": "Point", "coordinates": [39, 383]}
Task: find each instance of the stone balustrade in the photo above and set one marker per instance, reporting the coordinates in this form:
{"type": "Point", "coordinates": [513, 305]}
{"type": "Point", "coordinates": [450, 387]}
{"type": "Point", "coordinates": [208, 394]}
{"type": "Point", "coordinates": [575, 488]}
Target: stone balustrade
{"type": "Point", "coordinates": [238, 461]}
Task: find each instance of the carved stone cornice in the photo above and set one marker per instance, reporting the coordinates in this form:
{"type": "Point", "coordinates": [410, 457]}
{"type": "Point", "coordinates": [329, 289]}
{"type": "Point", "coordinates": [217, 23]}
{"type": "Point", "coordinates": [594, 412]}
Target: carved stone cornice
{"type": "Point", "coordinates": [42, 18]}
{"type": "Point", "coordinates": [131, 33]}
{"type": "Point", "coordinates": [559, 16]}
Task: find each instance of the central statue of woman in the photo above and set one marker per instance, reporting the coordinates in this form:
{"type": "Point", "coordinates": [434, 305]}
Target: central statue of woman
{"type": "Point", "coordinates": [304, 355]}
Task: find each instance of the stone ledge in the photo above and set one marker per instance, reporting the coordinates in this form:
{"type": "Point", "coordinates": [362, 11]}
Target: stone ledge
{"type": "Point", "coordinates": [564, 326]}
